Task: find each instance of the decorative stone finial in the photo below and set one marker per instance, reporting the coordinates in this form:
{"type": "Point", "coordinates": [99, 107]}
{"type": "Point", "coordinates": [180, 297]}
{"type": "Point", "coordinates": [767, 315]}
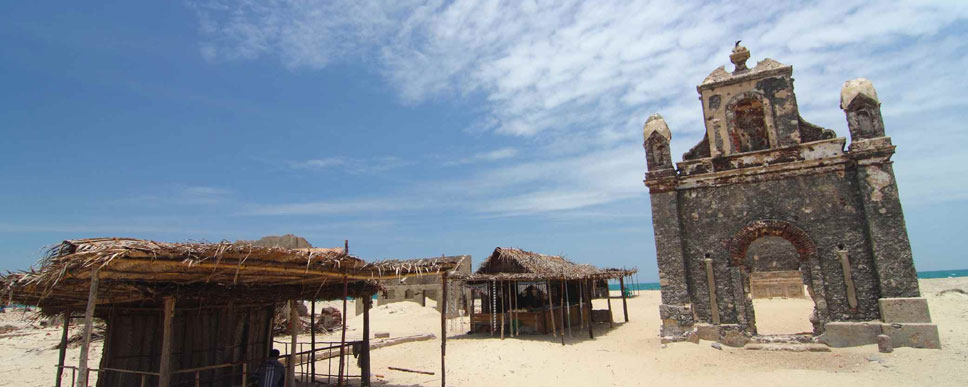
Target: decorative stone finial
{"type": "Point", "coordinates": [855, 87]}
{"type": "Point", "coordinates": [656, 123]}
{"type": "Point", "coordinates": [739, 56]}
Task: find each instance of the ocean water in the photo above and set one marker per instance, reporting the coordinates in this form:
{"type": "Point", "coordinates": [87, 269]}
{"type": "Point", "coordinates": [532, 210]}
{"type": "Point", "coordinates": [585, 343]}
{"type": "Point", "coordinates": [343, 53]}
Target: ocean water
{"type": "Point", "coordinates": [943, 273]}
{"type": "Point", "coordinates": [921, 274]}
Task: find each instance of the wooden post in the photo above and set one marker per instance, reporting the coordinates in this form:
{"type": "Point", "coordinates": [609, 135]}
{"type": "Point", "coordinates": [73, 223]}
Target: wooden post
{"type": "Point", "coordinates": [551, 309]}
{"type": "Point", "coordinates": [562, 306]}
{"type": "Point", "coordinates": [848, 279]}
{"type": "Point", "coordinates": [588, 297]}
{"type": "Point", "coordinates": [312, 339]}
{"type": "Point", "coordinates": [82, 378]}
{"type": "Point", "coordinates": [711, 282]}
{"type": "Point", "coordinates": [567, 307]}
{"type": "Point", "coordinates": [365, 356]}
{"type": "Point", "coordinates": [581, 302]}
{"type": "Point", "coordinates": [62, 353]}
{"type": "Point", "coordinates": [503, 312]}
{"type": "Point", "coordinates": [293, 337]}
{"type": "Point", "coordinates": [443, 329]}
{"type": "Point", "coordinates": [164, 369]}
{"type": "Point", "coordinates": [342, 341]}
{"type": "Point", "coordinates": [512, 297]}
{"type": "Point", "coordinates": [470, 310]}
{"type": "Point", "coordinates": [609, 298]}
{"type": "Point", "coordinates": [625, 305]}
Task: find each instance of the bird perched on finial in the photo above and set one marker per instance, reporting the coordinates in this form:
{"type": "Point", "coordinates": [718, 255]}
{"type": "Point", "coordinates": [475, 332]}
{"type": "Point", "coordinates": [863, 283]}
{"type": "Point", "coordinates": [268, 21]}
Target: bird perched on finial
{"type": "Point", "coordinates": [739, 56]}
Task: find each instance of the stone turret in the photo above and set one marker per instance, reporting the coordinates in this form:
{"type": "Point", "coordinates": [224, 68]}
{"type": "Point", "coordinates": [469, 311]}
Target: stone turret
{"type": "Point", "coordinates": [656, 135]}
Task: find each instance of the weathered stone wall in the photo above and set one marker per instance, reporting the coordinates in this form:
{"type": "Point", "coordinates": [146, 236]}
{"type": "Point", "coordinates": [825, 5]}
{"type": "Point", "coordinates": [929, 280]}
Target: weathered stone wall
{"type": "Point", "coordinates": [831, 214]}
{"type": "Point", "coordinates": [772, 253]}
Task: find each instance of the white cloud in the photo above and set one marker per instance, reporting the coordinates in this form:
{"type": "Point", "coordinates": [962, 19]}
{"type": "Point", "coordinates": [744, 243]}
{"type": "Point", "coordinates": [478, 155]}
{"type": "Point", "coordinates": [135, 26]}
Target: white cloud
{"type": "Point", "coordinates": [579, 78]}
{"type": "Point", "coordinates": [356, 166]}
{"type": "Point", "coordinates": [493, 155]}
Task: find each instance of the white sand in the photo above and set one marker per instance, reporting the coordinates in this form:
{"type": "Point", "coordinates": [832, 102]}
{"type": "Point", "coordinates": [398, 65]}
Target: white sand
{"type": "Point", "coordinates": [628, 355]}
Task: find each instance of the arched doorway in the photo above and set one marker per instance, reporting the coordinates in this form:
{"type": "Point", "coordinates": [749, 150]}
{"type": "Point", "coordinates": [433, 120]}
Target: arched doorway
{"type": "Point", "coordinates": [761, 248]}
{"type": "Point", "coordinates": [780, 301]}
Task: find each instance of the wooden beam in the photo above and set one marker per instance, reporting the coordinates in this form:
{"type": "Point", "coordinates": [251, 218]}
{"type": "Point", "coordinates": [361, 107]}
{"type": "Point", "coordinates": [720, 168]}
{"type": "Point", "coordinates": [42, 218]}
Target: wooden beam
{"type": "Point", "coordinates": [443, 329]}
{"type": "Point", "coordinates": [588, 297]}
{"type": "Point", "coordinates": [711, 283]}
{"type": "Point", "coordinates": [164, 369]}
{"type": "Point", "coordinates": [293, 338]}
{"type": "Point", "coordinates": [551, 309]}
{"type": "Point", "coordinates": [312, 340]}
{"type": "Point", "coordinates": [82, 378]}
{"type": "Point", "coordinates": [562, 306]}
{"type": "Point", "coordinates": [342, 341]}
{"type": "Point", "coordinates": [608, 297]}
{"type": "Point", "coordinates": [625, 305]}
{"type": "Point", "coordinates": [365, 356]}
{"type": "Point", "coordinates": [62, 353]}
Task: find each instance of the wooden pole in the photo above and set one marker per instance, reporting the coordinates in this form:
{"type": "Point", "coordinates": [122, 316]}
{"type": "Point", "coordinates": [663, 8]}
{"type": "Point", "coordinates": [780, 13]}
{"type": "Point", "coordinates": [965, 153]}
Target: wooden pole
{"type": "Point", "coordinates": [562, 306]}
{"type": "Point", "coordinates": [588, 298]}
{"type": "Point", "coordinates": [164, 369]}
{"type": "Point", "coordinates": [608, 292]}
{"type": "Point", "coordinates": [443, 329]}
{"type": "Point", "coordinates": [503, 312]}
{"type": "Point", "coordinates": [551, 309]}
{"type": "Point", "coordinates": [312, 339]}
{"type": "Point", "coordinates": [493, 305]}
{"type": "Point", "coordinates": [581, 302]}
{"type": "Point", "coordinates": [293, 337]}
{"type": "Point", "coordinates": [511, 298]}
{"type": "Point", "coordinates": [625, 305]}
{"type": "Point", "coordinates": [62, 353]}
{"type": "Point", "coordinates": [342, 341]}
{"type": "Point", "coordinates": [365, 356]}
{"type": "Point", "coordinates": [82, 378]}
{"type": "Point", "coordinates": [568, 308]}
{"type": "Point", "coordinates": [470, 309]}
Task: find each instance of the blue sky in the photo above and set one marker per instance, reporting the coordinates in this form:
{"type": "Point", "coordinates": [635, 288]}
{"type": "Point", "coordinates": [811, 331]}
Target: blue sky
{"type": "Point", "coordinates": [418, 128]}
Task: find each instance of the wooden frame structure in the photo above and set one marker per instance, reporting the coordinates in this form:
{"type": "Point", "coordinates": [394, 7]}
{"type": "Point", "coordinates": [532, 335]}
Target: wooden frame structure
{"type": "Point", "coordinates": [193, 313]}
{"type": "Point", "coordinates": [522, 292]}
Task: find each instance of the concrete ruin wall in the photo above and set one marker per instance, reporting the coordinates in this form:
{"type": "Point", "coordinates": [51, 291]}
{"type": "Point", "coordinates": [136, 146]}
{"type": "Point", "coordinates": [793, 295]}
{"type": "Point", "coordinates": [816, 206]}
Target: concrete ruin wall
{"type": "Point", "coordinates": [419, 289]}
{"type": "Point", "coordinates": [785, 178]}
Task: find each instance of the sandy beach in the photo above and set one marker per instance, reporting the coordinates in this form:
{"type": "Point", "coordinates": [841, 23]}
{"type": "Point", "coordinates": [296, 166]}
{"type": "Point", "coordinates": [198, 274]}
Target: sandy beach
{"type": "Point", "coordinates": [627, 355]}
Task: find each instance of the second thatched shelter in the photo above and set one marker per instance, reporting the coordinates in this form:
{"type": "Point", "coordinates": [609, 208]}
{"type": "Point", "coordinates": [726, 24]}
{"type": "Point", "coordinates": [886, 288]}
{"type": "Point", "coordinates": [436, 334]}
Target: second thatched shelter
{"type": "Point", "coordinates": [520, 291]}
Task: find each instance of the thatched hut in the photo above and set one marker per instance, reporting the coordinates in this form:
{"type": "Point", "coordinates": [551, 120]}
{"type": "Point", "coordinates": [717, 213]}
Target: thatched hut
{"type": "Point", "coordinates": [524, 292]}
{"type": "Point", "coordinates": [191, 313]}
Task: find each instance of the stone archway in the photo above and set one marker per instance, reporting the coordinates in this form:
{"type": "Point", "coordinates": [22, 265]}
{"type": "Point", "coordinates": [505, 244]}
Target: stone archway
{"type": "Point", "coordinates": [809, 264]}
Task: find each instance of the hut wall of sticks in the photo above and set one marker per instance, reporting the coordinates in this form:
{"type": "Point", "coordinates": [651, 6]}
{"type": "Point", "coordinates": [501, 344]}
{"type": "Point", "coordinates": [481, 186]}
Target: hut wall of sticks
{"type": "Point", "coordinates": [196, 314]}
{"type": "Point", "coordinates": [521, 292]}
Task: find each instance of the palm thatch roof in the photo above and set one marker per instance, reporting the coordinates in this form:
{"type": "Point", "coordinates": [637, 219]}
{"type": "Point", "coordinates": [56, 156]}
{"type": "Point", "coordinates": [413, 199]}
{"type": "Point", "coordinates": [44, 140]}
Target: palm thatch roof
{"type": "Point", "coordinates": [135, 270]}
{"type": "Point", "coordinates": [508, 263]}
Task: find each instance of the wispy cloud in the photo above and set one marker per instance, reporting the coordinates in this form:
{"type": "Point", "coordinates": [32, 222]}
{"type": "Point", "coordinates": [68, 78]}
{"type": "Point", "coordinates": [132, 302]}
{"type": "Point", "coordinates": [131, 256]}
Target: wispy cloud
{"type": "Point", "coordinates": [493, 155]}
{"type": "Point", "coordinates": [180, 195]}
{"type": "Point", "coordinates": [350, 206]}
{"type": "Point", "coordinates": [357, 166]}
{"type": "Point", "coordinates": [580, 78]}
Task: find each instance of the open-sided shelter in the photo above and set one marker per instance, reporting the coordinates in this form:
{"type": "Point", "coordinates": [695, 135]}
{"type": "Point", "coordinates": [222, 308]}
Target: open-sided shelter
{"type": "Point", "coordinates": [196, 314]}
{"type": "Point", "coordinates": [525, 292]}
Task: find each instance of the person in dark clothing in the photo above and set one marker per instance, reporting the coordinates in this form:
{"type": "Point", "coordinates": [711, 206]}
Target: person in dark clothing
{"type": "Point", "coordinates": [271, 373]}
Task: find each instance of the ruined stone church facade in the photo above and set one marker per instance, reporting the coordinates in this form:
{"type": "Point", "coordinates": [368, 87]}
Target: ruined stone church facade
{"type": "Point", "coordinates": [762, 170]}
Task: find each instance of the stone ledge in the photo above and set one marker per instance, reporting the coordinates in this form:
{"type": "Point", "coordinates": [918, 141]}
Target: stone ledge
{"type": "Point", "coordinates": [915, 335]}
{"type": "Point", "coordinates": [850, 334]}
{"type": "Point", "coordinates": [904, 310]}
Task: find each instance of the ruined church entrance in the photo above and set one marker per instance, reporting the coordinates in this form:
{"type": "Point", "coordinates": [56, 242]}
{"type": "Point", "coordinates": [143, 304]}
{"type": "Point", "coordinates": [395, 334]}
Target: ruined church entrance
{"type": "Point", "coordinates": [781, 300]}
{"type": "Point", "coordinates": [781, 278]}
